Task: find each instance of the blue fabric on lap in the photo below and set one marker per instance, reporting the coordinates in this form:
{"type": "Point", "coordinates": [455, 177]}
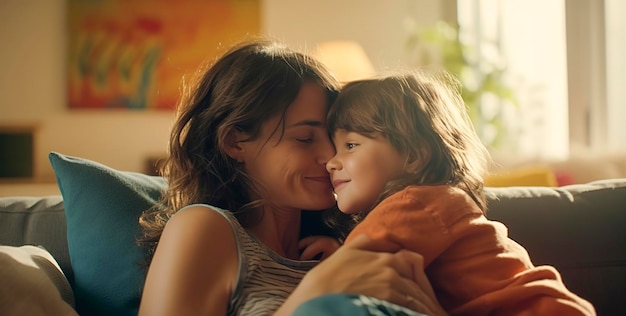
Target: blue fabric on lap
{"type": "Point", "coordinates": [353, 305]}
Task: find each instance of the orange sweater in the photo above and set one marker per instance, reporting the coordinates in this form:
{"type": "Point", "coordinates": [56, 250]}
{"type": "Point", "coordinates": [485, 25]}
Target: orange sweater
{"type": "Point", "coordinates": [474, 268]}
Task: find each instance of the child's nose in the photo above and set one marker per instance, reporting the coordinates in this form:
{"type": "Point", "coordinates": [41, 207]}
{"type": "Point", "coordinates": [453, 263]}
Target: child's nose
{"type": "Point", "coordinates": [333, 164]}
{"type": "Point", "coordinates": [326, 150]}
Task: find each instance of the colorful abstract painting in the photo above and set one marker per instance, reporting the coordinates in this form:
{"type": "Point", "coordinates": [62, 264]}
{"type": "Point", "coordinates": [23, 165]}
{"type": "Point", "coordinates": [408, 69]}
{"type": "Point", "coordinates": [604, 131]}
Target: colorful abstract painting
{"type": "Point", "coordinates": [133, 54]}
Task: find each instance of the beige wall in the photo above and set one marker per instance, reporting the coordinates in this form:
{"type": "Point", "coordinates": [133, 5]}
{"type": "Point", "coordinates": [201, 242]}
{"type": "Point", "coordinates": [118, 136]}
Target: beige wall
{"type": "Point", "coordinates": [32, 73]}
{"type": "Point", "coordinates": [380, 26]}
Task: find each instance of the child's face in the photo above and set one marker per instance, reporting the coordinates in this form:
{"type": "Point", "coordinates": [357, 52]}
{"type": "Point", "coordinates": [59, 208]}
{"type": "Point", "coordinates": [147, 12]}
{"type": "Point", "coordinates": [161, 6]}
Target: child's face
{"type": "Point", "coordinates": [361, 168]}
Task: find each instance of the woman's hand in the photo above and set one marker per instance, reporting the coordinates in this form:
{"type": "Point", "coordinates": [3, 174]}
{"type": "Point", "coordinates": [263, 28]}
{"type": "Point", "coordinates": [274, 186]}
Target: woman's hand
{"type": "Point", "coordinates": [313, 246]}
{"type": "Point", "coordinates": [359, 268]}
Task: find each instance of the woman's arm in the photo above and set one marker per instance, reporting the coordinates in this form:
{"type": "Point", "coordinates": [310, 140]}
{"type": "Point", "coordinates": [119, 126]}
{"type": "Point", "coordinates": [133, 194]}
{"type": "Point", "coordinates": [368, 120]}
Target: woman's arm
{"type": "Point", "coordinates": [362, 268]}
{"type": "Point", "coordinates": [184, 278]}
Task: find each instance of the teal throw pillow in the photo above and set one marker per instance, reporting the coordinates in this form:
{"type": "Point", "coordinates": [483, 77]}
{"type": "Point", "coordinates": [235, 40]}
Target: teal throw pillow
{"type": "Point", "coordinates": [102, 207]}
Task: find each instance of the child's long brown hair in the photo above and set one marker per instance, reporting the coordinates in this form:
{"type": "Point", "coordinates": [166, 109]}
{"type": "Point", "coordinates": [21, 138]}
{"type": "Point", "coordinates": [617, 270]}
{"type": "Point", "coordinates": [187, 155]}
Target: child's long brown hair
{"type": "Point", "coordinates": [422, 115]}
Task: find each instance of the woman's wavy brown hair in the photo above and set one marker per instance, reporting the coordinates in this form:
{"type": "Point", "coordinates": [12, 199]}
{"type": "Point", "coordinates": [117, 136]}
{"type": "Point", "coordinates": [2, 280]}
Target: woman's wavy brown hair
{"type": "Point", "coordinates": [249, 84]}
{"type": "Point", "coordinates": [423, 116]}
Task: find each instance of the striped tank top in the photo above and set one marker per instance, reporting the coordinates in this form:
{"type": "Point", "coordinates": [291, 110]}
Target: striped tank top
{"type": "Point", "coordinates": [265, 279]}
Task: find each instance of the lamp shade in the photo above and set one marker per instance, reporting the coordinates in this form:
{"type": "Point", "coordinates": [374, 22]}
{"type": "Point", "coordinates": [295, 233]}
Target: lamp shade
{"type": "Point", "coordinates": [347, 60]}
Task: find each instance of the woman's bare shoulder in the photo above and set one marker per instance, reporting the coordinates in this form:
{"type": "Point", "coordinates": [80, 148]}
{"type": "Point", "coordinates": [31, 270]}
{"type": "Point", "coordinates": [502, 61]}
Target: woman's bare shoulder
{"type": "Point", "coordinates": [198, 218]}
{"type": "Point", "coordinates": [185, 264]}
{"type": "Point", "coordinates": [199, 225]}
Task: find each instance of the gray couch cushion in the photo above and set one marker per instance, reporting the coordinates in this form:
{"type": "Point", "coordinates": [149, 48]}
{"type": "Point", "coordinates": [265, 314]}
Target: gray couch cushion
{"type": "Point", "coordinates": [579, 229]}
{"type": "Point", "coordinates": [36, 221]}
{"type": "Point", "coordinates": [550, 218]}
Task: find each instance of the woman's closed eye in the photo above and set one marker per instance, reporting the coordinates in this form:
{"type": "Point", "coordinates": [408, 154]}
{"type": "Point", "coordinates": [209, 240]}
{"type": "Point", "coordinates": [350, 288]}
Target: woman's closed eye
{"type": "Point", "coordinates": [305, 140]}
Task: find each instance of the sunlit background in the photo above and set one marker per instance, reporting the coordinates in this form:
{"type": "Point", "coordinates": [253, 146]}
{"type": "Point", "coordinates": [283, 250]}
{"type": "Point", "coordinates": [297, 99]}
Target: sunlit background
{"type": "Point", "coordinates": [544, 79]}
{"type": "Point", "coordinates": [563, 61]}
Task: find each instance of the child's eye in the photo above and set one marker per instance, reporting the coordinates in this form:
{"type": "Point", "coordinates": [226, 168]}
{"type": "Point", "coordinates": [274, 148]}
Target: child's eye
{"type": "Point", "coordinates": [350, 146]}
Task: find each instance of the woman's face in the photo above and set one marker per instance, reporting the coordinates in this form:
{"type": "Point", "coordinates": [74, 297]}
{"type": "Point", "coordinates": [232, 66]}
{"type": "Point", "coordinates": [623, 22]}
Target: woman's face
{"type": "Point", "coordinates": [292, 170]}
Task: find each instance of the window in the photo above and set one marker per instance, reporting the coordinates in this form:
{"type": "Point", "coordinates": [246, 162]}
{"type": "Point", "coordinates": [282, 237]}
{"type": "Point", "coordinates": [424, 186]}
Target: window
{"type": "Point", "coordinates": [562, 60]}
{"type": "Point", "coordinates": [616, 73]}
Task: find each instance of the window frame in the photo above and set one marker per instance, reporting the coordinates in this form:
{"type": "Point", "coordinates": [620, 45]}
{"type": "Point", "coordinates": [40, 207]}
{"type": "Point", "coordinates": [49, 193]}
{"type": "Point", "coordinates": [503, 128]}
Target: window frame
{"type": "Point", "coordinates": [588, 120]}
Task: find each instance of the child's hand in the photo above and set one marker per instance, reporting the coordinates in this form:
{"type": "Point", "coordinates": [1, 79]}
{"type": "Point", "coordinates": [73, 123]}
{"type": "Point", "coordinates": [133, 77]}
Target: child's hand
{"type": "Point", "coordinates": [317, 247]}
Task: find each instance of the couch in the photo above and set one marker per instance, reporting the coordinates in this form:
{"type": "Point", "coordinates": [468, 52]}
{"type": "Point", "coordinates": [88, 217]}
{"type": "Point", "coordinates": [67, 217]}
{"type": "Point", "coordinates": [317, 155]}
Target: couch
{"type": "Point", "coordinates": [85, 256]}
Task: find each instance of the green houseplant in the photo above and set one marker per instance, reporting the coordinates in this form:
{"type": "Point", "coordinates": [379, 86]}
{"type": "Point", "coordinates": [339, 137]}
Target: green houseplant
{"type": "Point", "coordinates": [484, 91]}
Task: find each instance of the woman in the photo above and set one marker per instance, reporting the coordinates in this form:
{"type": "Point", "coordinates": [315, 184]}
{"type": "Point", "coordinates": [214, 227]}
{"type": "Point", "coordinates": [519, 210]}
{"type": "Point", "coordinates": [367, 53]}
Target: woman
{"type": "Point", "coordinates": [250, 143]}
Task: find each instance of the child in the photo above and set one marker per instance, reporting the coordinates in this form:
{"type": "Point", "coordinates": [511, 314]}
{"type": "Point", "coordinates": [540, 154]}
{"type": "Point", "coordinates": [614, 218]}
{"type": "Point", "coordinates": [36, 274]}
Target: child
{"type": "Point", "coordinates": [409, 166]}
